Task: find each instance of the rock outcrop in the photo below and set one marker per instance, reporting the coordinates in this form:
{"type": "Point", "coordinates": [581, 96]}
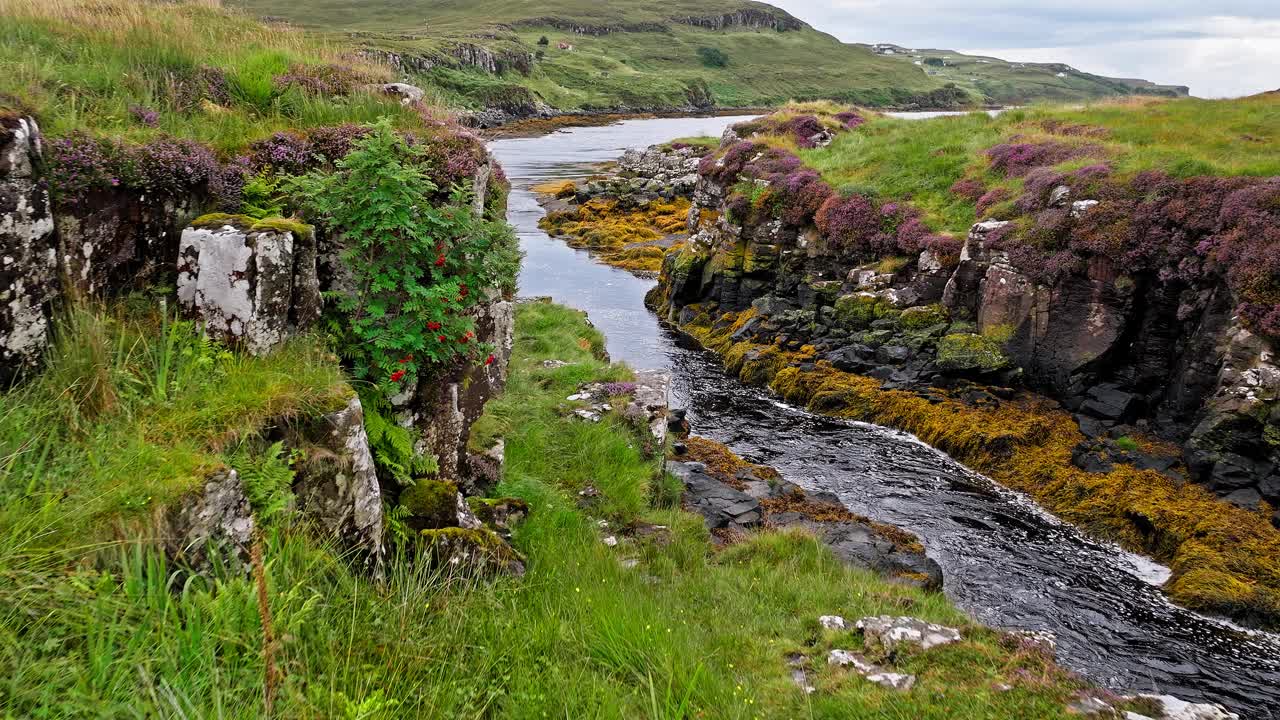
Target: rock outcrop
{"type": "Point", "coordinates": [214, 522]}
{"type": "Point", "coordinates": [249, 283]}
{"type": "Point", "coordinates": [28, 251]}
{"type": "Point", "coordinates": [336, 483]}
{"type": "Point", "coordinates": [1131, 353]}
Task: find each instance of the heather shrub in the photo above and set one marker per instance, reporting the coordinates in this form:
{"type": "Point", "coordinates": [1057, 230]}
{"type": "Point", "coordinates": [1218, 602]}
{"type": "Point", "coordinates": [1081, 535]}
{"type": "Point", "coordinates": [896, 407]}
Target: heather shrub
{"type": "Point", "coordinates": [332, 143]}
{"type": "Point", "coordinates": [969, 188]}
{"type": "Point", "coordinates": [849, 222]}
{"type": "Point", "coordinates": [186, 92]}
{"type": "Point", "coordinates": [803, 129]}
{"type": "Point", "coordinates": [799, 195]}
{"type": "Point", "coordinates": [990, 198]}
{"type": "Point", "coordinates": [283, 152]}
{"type": "Point", "coordinates": [327, 79]}
{"type": "Point", "coordinates": [1038, 184]}
{"type": "Point", "coordinates": [144, 115]}
{"type": "Point", "coordinates": [1017, 159]}
{"type": "Point", "coordinates": [80, 165]}
{"type": "Point", "coordinates": [850, 119]}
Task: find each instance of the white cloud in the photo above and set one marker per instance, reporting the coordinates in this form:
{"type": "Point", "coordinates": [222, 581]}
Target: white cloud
{"type": "Point", "coordinates": [1219, 47]}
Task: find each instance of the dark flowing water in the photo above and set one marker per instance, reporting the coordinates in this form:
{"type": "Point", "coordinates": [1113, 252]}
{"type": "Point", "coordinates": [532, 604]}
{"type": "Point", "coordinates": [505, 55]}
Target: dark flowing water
{"type": "Point", "coordinates": [1006, 561]}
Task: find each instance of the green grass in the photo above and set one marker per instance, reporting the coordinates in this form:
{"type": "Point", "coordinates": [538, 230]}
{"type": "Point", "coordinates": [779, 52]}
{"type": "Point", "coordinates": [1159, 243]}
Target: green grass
{"type": "Point", "coordinates": [638, 65]}
{"type": "Point", "coordinates": [135, 409]}
{"type": "Point", "coordinates": [688, 632]}
{"type": "Point", "coordinates": [920, 159]}
{"type": "Point", "coordinates": [82, 65]}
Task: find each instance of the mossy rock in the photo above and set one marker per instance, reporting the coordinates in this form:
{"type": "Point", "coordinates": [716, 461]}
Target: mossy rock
{"type": "Point", "coordinates": [921, 317]}
{"type": "Point", "coordinates": [499, 514]}
{"type": "Point", "coordinates": [858, 311]}
{"type": "Point", "coordinates": [970, 352]}
{"type": "Point", "coordinates": [213, 221]}
{"type": "Point", "coordinates": [471, 551]}
{"type": "Point", "coordinates": [431, 503]}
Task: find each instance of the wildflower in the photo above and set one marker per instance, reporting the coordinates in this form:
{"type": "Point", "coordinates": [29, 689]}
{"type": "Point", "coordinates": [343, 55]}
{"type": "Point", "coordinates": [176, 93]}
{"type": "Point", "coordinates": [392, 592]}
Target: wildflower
{"type": "Point", "coordinates": [433, 325]}
{"type": "Point", "coordinates": [488, 360]}
{"type": "Point", "coordinates": [442, 338]}
{"type": "Point", "coordinates": [397, 376]}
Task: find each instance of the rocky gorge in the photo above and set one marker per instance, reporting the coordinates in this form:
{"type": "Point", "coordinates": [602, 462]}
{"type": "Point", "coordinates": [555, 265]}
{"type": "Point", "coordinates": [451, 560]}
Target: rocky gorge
{"type": "Point", "coordinates": [1158, 380]}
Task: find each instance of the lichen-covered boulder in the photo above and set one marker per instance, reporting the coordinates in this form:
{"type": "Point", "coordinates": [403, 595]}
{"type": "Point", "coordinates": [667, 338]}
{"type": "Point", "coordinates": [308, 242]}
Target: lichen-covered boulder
{"type": "Point", "coordinates": [890, 635]}
{"type": "Point", "coordinates": [250, 282]}
{"type": "Point", "coordinates": [28, 250]}
{"type": "Point", "coordinates": [214, 522]}
{"type": "Point", "coordinates": [336, 483]}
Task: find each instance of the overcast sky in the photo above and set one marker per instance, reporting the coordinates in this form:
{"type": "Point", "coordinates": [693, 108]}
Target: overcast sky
{"type": "Point", "coordinates": [1221, 48]}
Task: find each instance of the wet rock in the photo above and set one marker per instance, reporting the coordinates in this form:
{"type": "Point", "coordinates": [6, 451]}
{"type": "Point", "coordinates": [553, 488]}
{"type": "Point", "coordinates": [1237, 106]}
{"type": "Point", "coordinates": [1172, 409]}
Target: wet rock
{"type": "Point", "coordinates": [499, 514]}
{"type": "Point", "coordinates": [28, 249]}
{"type": "Point", "coordinates": [249, 286]}
{"type": "Point", "coordinates": [408, 94]}
{"type": "Point", "coordinates": [1090, 706]}
{"type": "Point", "coordinates": [720, 505]}
{"type": "Point", "coordinates": [336, 484]}
{"type": "Point", "coordinates": [799, 665]}
{"type": "Point", "coordinates": [1175, 709]}
{"type": "Point", "coordinates": [892, 634]}
{"type": "Point", "coordinates": [1109, 402]}
{"type": "Point", "coordinates": [861, 545]}
{"type": "Point", "coordinates": [215, 522]}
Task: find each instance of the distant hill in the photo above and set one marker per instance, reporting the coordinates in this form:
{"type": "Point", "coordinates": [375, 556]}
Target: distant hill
{"type": "Point", "coordinates": [1005, 82]}
{"type": "Point", "coordinates": [522, 57]}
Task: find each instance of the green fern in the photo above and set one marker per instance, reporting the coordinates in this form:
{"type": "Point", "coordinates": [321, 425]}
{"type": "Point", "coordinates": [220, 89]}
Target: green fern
{"type": "Point", "coordinates": [392, 444]}
{"type": "Point", "coordinates": [267, 478]}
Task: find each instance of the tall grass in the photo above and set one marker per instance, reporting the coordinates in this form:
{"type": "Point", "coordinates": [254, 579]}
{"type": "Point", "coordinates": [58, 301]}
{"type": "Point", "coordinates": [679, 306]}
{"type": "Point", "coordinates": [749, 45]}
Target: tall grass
{"type": "Point", "coordinates": [86, 64]}
{"type": "Point", "coordinates": [685, 632]}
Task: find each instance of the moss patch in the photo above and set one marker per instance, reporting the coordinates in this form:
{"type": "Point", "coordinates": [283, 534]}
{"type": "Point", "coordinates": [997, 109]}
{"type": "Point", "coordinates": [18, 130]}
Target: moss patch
{"type": "Point", "coordinates": [968, 351]}
{"type": "Point", "coordinates": [629, 238]}
{"type": "Point", "coordinates": [432, 503]}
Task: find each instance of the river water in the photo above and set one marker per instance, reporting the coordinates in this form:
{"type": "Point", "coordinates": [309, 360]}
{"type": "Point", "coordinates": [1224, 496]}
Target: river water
{"type": "Point", "coordinates": [1006, 561]}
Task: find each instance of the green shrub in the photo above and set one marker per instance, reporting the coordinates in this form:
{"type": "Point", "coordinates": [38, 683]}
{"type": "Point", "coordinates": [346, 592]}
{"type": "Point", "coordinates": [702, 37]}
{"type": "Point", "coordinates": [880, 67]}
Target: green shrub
{"type": "Point", "coordinates": [713, 57]}
{"type": "Point", "coordinates": [416, 266]}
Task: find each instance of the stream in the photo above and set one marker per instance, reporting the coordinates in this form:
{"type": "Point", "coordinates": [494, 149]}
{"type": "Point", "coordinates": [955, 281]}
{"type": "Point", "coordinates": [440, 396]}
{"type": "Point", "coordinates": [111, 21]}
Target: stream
{"type": "Point", "coordinates": [1006, 561]}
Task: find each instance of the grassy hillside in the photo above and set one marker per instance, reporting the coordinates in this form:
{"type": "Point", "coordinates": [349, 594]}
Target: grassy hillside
{"type": "Point", "coordinates": [669, 54]}
{"type": "Point", "coordinates": [1013, 83]}
{"type": "Point", "coordinates": [922, 160]}
{"type": "Point", "coordinates": [679, 630]}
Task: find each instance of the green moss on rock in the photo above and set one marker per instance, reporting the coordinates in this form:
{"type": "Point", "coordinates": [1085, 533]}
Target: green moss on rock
{"type": "Point", "coordinates": [967, 351]}
{"type": "Point", "coordinates": [479, 551]}
{"type": "Point", "coordinates": [922, 317]}
{"type": "Point", "coordinates": [432, 503]}
{"type": "Point", "coordinates": [213, 221]}
{"type": "Point", "coordinates": [858, 311]}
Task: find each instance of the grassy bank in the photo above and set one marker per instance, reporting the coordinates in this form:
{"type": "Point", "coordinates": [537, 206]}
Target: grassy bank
{"type": "Point", "coordinates": [686, 631]}
{"type": "Point", "coordinates": [191, 69]}
{"type": "Point", "coordinates": [921, 161]}
{"type": "Point", "coordinates": [1225, 559]}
